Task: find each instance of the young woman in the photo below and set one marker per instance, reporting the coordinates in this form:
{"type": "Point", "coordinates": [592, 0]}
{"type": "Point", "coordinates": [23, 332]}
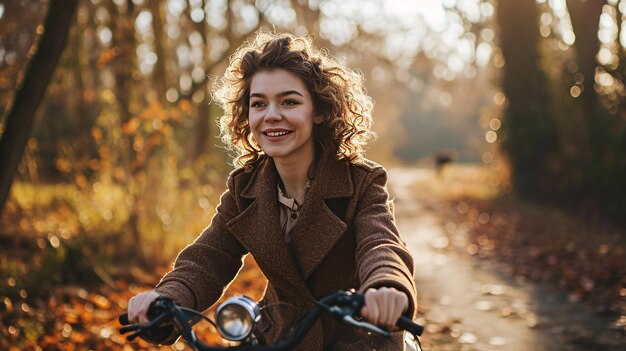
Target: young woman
{"type": "Point", "coordinates": [303, 201]}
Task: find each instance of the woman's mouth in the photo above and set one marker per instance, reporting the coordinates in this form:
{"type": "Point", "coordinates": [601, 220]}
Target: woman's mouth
{"type": "Point", "coordinates": [275, 134]}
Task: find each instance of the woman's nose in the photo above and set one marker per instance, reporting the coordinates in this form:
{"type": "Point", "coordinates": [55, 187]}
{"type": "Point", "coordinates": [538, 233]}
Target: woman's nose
{"type": "Point", "coordinates": [273, 113]}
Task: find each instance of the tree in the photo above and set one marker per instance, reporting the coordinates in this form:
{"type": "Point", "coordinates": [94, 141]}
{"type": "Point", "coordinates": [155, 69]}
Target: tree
{"type": "Point", "coordinates": [602, 188]}
{"type": "Point", "coordinates": [583, 111]}
{"type": "Point", "coordinates": [585, 17]}
{"type": "Point", "coordinates": [530, 139]}
{"type": "Point", "coordinates": [20, 117]}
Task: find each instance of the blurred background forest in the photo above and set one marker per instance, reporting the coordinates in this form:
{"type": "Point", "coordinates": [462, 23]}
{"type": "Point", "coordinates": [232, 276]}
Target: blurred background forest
{"type": "Point", "coordinates": [119, 164]}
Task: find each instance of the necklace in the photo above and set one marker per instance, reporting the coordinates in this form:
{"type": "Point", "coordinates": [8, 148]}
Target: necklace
{"type": "Point", "coordinates": [295, 209]}
{"type": "Point", "coordinates": [297, 202]}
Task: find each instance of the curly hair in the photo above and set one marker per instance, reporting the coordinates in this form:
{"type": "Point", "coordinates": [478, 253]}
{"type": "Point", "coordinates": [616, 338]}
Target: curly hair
{"type": "Point", "coordinates": [338, 94]}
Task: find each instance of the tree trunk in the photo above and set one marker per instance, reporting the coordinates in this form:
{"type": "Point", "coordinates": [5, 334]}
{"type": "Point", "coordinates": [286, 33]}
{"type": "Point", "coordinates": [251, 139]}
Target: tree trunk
{"type": "Point", "coordinates": [20, 118]}
{"type": "Point", "coordinates": [123, 28]}
{"type": "Point", "coordinates": [159, 76]}
{"type": "Point", "coordinates": [203, 126]}
{"type": "Point", "coordinates": [529, 138]}
{"type": "Point", "coordinates": [603, 186]}
{"type": "Point", "coordinates": [207, 114]}
{"type": "Point", "coordinates": [585, 17]}
{"type": "Point", "coordinates": [85, 147]}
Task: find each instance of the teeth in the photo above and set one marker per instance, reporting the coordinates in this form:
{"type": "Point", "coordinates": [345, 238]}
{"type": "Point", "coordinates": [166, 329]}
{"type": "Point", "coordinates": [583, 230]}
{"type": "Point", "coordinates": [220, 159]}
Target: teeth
{"type": "Point", "coordinates": [275, 134]}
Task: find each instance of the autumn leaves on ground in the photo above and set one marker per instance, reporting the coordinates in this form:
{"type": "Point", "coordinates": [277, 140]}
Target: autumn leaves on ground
{"type": "Point", "coordinates": [583, 257]}
{"type": "Point", "coordinates": [63, 289]}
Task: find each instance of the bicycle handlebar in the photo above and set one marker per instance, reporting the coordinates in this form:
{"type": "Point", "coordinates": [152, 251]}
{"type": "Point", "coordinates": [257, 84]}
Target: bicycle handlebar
{"type": "Point", "coordinates": [166, 316]}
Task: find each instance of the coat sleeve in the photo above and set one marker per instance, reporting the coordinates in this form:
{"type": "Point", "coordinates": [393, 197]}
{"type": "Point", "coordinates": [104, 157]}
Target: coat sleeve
{"type": "Point", "coordinates": [382, 257]}
{"type": "Point", "coordinates": [204, 269]}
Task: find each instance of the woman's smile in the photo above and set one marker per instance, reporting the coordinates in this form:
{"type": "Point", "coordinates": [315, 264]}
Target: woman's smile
{"type": "Point", "coordinates": [276, 134]}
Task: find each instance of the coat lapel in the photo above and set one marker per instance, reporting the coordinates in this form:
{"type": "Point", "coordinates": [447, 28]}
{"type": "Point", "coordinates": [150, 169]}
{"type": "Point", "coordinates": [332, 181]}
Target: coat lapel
{"type": "Point", "coordinates": [318, 228]}
{"type": "Point", "coordinates": [258, 229]}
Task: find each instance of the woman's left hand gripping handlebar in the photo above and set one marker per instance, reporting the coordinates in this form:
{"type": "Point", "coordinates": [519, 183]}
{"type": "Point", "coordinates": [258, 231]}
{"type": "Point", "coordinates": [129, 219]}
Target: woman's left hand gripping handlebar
{"type": "Point", "coordinates": [138, 306]}
{"type": "Point", "coordinates": [384, 306]}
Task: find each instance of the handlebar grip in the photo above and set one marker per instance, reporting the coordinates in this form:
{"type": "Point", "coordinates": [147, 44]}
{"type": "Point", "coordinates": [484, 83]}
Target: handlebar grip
{"type": "Point", "coordinates": [405, 323]}
{"type": "Point", "coordinates": [123, 319]}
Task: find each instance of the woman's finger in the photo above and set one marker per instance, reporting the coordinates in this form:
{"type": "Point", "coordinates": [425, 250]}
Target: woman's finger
{"type": "Point", "coordinates": [138, 306]}
{"type": "Point", "coordinates": [395, 309]}
{"type": "Point", "coordinates": [372, 311]}
{"type": "Point", "coordinates": [383, 299]}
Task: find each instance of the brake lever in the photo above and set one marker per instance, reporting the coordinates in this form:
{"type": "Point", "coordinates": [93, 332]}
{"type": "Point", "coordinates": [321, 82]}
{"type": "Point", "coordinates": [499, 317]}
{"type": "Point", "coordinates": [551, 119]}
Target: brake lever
{"type": "Point", "coordinates": [152, 323]}
{"type": "Point", "coordinates": [350, 320]}
{"type": "Point", "coordinates": [129, 328]}
{"type": "Point", "coordinates": [139, 329]}
{"type": "Point", "coordinates": [134, 335]}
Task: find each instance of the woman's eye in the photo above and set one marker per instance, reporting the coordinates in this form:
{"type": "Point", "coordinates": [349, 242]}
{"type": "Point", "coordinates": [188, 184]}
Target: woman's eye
{"type": "Point", "coordinates": [290, 102]}
{"type": "Point", "coordinates": [257, 104]}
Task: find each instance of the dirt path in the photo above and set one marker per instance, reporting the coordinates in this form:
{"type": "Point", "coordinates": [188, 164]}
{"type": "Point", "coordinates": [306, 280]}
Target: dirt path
{"type": "Point", "coordinates": [468, 304]}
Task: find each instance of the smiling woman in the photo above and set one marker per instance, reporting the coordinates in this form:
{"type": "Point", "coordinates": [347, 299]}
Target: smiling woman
{"type": "Point", "coordinates": [304, 201]}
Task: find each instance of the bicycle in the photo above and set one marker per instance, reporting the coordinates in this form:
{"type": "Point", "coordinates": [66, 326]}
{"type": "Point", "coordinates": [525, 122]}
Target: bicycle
{"type": "Point", "coordinates": [237, 316]}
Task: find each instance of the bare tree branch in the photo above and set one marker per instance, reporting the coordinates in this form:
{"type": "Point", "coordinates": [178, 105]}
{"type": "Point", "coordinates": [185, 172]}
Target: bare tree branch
{"type": "Point", "coordinates": [231, 50]}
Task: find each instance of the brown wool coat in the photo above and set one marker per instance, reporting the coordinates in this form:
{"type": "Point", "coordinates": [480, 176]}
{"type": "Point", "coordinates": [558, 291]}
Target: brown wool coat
{"type": "Point", "coordinates": [330, 250]}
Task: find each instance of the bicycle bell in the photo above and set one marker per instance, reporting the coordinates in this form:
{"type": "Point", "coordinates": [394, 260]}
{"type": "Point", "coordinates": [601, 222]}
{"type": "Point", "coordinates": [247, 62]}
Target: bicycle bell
{"type": "Point", "coordinates": [236, 318]}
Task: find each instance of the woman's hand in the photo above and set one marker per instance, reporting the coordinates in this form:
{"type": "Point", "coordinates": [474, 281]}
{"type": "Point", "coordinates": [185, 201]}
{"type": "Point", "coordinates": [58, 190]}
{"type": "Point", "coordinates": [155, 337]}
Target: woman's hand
{"type": "Point", "coordinates": [138, 306]}
{"type": "Point", "coordinates": [384, 306]}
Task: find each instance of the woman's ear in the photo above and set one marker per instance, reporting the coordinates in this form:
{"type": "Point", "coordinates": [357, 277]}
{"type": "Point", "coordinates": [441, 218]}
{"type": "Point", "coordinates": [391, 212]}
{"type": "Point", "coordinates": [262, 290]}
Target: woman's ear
{"type": "Point", "coordinates": [318, 119]}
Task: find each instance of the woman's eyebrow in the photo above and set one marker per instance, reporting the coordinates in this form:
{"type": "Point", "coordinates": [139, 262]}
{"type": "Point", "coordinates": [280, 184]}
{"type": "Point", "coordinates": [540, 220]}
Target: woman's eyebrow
{"type": "Point", "coordinates": [284, 93]}
{"type": "Point", "coordinates": [290, 92]}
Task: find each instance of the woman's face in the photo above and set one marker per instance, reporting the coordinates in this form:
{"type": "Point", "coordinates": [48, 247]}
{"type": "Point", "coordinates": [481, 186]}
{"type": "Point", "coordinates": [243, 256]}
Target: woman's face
{"type": "Point", "coordinates": [281, 115]}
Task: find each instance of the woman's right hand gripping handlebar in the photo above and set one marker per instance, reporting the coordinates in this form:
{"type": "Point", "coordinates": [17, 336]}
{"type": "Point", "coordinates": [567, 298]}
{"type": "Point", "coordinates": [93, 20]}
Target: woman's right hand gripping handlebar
{"type": "Point", "coordinates": [138, 306]}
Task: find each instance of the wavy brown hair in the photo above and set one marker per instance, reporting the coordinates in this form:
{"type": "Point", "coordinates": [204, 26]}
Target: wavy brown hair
{"type": "Point", "coordinates": [338, 94]}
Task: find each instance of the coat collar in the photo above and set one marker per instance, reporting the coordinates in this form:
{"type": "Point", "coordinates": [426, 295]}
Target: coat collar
{"type": "Point", "coordinates": [331, 176]}
{"type": "Point", "coordinates": [316, 233]}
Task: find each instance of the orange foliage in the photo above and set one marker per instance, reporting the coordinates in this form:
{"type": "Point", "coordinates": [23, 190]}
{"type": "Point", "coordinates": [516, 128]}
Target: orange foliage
{"type": "Point", "coordinates": [81, 317]}
{"type": "Point", "coordinates": [107, 56]}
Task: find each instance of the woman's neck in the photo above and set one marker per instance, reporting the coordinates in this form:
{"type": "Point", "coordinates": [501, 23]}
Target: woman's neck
{"type": "Point", "coordinates": [294, 175]}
